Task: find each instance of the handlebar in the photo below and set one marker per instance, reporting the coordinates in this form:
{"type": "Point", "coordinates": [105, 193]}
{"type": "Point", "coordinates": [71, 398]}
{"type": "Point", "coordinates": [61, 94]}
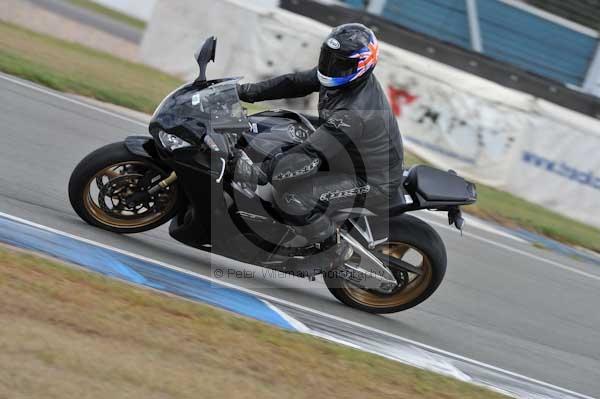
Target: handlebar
{"type": "Point", "coordinates": [210, 143]}
{"type": "Point", "coordinates": [214, 148]}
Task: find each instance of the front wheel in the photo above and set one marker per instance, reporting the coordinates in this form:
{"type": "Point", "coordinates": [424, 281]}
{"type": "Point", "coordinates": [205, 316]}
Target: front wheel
{"type": "Point", "coordinates": [412, 241]}
{"type": "Point", "coordinates": [105, 189]}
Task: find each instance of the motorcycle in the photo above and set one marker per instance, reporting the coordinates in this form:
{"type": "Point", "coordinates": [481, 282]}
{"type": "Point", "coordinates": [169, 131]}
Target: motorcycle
{"type": "Point", "coordinates": [179, 174]}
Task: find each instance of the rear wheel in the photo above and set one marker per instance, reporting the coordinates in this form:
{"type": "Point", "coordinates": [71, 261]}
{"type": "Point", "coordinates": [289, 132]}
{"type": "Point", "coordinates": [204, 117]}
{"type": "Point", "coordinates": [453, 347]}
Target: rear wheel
{"type": "Point", "coordinates": [412, 241]}
{"type": "Point", "coordinates": [106, 190]}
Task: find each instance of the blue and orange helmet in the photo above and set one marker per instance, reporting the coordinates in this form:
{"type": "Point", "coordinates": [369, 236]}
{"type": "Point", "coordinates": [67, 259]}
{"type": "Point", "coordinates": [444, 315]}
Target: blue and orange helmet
{"type": "Point", "coordinates": [348, 54]}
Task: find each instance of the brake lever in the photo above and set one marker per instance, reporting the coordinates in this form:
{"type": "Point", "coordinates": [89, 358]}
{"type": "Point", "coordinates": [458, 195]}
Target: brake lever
{"type": "Point", "coordinates": [220, 178]}
{"type": "Point", "coordinates": [210, 143]}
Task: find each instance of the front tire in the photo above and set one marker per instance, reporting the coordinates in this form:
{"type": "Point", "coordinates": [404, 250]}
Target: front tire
{"type": "Point", "coordinates": [409, 237]}
{"type": "Point", "coordinates": [101, 183]}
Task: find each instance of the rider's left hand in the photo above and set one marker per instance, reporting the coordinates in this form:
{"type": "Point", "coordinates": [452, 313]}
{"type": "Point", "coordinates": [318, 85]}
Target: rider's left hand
{"type": "Point", "coordinates": [243, 170]}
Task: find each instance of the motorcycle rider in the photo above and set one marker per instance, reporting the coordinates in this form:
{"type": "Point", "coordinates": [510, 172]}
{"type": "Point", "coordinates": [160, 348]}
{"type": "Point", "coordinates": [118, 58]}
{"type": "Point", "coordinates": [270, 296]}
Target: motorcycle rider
{"type": "Point", "coordinates": [355, 154]}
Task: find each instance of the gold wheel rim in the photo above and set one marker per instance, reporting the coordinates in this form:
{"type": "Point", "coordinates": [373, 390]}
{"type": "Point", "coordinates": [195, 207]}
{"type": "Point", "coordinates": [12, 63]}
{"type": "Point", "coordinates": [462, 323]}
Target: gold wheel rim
{"type": "Point", "coordinates": [127, 221]}
{"type": "Point", "coordinates": [416, 285]}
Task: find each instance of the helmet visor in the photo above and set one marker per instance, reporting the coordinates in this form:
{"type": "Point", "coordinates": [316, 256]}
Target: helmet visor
{"type": "Point", "coordinates": [335, 65]}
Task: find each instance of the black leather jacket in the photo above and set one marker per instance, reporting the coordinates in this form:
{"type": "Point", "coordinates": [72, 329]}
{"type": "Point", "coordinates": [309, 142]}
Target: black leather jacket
{"type": "Point", "coordinates": [358, 133]}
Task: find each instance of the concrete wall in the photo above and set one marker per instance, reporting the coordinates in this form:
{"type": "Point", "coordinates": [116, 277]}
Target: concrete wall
{"type": "Point", "coordinates": [141, 9]}
{"type": "Point", "coordinates": [180, 26]}
{"type": "Point", "coordinates": [489, 133]}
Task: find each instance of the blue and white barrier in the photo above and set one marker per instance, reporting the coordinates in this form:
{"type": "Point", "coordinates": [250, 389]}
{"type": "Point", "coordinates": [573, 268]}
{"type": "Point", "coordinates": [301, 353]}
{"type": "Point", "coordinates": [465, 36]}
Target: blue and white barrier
{"type": "Point", "coordinates": [135, 270]}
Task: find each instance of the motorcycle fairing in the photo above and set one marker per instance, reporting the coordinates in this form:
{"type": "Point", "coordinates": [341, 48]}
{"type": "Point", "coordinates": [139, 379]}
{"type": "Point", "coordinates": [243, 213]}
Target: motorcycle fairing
{"type": "Point", "coordinates": [198, 107]}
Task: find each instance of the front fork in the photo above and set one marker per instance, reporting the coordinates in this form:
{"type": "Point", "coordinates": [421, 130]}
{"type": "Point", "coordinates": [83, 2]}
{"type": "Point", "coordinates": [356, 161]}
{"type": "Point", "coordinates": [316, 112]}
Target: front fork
{"type": "Point", "coordinates": [172, 178]}
{"type": "Point", "coordinates": [144, 147]}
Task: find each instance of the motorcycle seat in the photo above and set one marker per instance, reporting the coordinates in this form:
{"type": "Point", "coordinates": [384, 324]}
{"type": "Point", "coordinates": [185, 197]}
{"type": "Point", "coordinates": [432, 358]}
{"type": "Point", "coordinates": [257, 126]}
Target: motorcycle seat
{"type": "Point", "coordinates": [426, 187]}
{"type": "Point", "coordinates": [436, 185]}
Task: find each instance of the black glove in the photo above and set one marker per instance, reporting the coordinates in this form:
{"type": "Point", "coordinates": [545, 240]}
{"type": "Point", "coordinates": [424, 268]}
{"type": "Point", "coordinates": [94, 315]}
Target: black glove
{"type": "Point", "coordinates": [267, 166]}
{"type": "Point", "coordinates": [242, 90]}
{"type": "Point", "coordinates": [242, 170]}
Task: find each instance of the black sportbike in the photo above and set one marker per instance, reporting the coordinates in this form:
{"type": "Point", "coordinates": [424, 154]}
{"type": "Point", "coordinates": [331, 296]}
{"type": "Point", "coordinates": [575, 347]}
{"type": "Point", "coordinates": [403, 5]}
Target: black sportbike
{"type": "Point", "coordinates": [179, 174]}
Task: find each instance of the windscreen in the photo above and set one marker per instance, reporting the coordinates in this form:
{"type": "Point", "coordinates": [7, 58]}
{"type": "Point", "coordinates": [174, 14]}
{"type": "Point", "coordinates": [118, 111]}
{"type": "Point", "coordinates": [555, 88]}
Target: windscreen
{"type": "Point", "coordinates": [221, 102]}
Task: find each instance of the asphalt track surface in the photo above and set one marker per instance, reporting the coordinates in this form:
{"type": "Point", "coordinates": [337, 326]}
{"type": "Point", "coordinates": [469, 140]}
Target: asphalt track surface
{"type": "Point", "coordinates": [502, 302]}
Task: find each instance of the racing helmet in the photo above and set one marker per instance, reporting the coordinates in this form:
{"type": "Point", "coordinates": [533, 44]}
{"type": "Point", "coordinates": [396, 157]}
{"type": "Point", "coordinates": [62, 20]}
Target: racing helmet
{"type": "Point", "coordinates": [348, 54]}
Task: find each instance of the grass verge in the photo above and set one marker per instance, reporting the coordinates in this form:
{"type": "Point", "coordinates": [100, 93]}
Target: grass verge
{"type": "Point", "coordinates": [109, 12]}
{"type": "Point", "coordinates": [69, 333]}
{"type": "Point", "coordinates": [73, 68]}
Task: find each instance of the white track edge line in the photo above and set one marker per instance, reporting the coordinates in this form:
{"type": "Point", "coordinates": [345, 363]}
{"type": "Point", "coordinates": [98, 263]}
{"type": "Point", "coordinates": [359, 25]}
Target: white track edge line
{"type": "Point", "coordinates": [297, 324]}
{"type": "Point", "coordinates": [297, 306]}
{"type": "Point", "coordinates": [476, 223]}
{"type": "Point", "coordinates": [71, 100]}
{"type": "Point", "coordinates": [521, 252]}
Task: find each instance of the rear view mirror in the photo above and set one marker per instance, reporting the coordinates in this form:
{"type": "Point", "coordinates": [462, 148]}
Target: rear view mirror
{"type": "Point", "coordinates": [204, 55]}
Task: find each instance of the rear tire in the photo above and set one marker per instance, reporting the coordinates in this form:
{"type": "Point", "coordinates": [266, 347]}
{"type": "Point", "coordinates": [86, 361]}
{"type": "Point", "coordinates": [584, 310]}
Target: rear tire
{"type": "Point", "coordinates": [85, 177]}
{"type": "Point", "coordinates": [405, 232]}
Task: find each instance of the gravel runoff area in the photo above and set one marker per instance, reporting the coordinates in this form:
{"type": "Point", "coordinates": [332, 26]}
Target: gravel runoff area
{"type": "Point", "coordinates": [38, 19]}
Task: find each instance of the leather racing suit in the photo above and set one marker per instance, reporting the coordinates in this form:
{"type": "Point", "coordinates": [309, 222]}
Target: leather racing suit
{"type": "Point", "coordinates": [353, 159]}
